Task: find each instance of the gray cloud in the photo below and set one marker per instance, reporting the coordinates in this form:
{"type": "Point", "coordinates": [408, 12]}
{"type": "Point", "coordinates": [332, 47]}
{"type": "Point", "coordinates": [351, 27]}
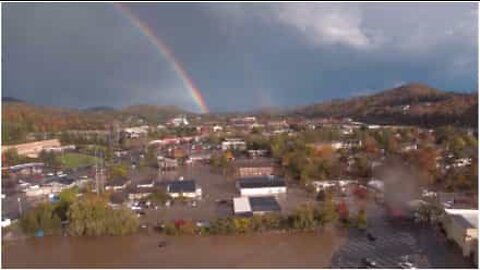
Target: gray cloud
{"type": "Point", "coordinates": [240, 55]}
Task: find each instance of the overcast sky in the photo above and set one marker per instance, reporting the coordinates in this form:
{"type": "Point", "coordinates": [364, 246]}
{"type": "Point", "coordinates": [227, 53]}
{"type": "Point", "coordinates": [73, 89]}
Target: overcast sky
{"type": "Point", "coordinates": [241, 56]}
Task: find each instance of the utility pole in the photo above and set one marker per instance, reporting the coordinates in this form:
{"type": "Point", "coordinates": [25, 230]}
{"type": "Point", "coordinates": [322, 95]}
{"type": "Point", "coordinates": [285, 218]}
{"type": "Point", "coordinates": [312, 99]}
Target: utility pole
{"type": "Point", "coordinates": [20, 209]}
{"type": "Point", "coordinates": [96, 173]}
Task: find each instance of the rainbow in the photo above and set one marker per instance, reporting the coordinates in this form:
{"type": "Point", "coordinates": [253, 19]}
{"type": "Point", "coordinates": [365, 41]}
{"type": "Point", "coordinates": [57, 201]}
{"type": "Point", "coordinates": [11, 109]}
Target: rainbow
{"type": "Point", "coordinates": [165, 51]}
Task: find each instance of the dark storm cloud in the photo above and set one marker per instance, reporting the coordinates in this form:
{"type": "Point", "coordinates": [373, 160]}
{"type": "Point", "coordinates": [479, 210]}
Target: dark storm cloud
{"type": "Point", "coordinates": [241, 56]}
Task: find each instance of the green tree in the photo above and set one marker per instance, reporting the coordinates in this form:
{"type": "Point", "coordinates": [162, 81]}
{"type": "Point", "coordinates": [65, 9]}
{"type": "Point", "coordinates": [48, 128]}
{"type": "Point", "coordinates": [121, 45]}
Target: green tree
{"type": "Point", "coordinates": [118, 171]}
{"type": "Point", "coordinates": [50, 159]}
{"type": "Point", "coordinates": [361, 219]}
{"type": "Point", "coordinates": [92, 216]}
{"type": "Point", "coordinates": [241, 225]}
{"type": "Point", "coordinates": [328, 209]}
{"type": "Point", "coordinates": [42, 217]}
{"type": "Point", "coordinates": [303, 218]}
{"type": "Point", "coordinates": [159, 197]}
{"type": "Point", "coordinates": [66, 198]}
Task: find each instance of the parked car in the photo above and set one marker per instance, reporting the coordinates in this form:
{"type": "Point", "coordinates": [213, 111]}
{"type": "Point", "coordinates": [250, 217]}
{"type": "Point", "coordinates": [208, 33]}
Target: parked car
{"type": "Point", "coordinates": [371, 237]}
{"type": "Point", "coordinates": [406, 265]}
{"type": "Point", "coordinates": [369, 262]}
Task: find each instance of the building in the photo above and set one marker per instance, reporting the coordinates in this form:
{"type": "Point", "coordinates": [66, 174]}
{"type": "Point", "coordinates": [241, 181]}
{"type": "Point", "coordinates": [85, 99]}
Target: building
{"type": "Point", "coordinates": [461, 226]}
{"type": "Point", "coordinates": [60, 149]}
{"type": "Point", "coordinates": [54, 187]}
{"type": "Point", "coordinates": [183, 188]}
{"type": "Point", "coordinates": [250, 168]}
{"type": "Point", "coordinates": [260, 186]}
{"type": "Point", "coordinates": [217, 128]}
{"type": "Point", "coordinates": [234, 144]}
{"type": "Point", "coordinates": [166, 164]}
{"type": "Point", "coordinates": [179, 121]}
{"type": "Point", "coordinates": [117, 184]}
{"type": "Point", "coordinates": [244, 122]}
{"type": "Point", "coordinates": [145, 184]}
{"type": "Point", "coordinates": [248, 206]}
{"type": "Point", "coordinates": [27, 168]}
{"type": "Point", "coordinates": [32, 149]}
{"type": "Point", "coordinates": [200, 157]}
{"type": "Point", "coordinates": [256, 153]}
{"type": "Point", "coordinates": [136, 132]}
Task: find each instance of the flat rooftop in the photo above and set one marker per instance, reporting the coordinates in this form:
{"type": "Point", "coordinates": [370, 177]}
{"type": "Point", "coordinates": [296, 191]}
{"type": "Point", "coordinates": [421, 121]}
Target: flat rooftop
{"type": "Point", "coordinates": [261, 182]}
{"type": "Point", "coordinates": [264, 204]}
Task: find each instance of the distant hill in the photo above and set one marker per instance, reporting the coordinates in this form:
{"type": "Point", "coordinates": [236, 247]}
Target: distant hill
{"type": "Point", "coordinates": [21, 118]}
{"type": "Point", "coordinates": [11, 99]}
{"type": "Point", "coordinates": [410, 104]}
{"type": "Point", "coordinates": [99, 109]}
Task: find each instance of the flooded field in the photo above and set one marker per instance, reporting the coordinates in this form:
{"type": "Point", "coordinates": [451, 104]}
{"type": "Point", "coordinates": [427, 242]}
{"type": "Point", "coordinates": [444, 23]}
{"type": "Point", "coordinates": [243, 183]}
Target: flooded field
{"type": "Point", "coordinates": [142, 250]}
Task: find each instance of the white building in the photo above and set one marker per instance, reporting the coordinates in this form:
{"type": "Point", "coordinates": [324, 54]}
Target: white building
{"type": "Point", "coordinates": [461, 226]}
{"type": "Point", "coordinates": [179, 121]}
{"type": "Point", "coordinates": [248, 206]}
{"type": "Point", "coordinates": [234, 144]}
{"type": "Point", "coordinates": [136, 132]}
{"type": "Point", "coordinates": [260, 186]}
{"type": "Point", "coordinates": [217, 128]}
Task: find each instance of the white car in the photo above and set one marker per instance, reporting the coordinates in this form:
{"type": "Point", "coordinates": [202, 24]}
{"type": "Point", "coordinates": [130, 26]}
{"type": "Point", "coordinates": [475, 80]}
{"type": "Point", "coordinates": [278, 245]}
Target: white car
{"type": "Point", "coordinates": [6, 222]}
{"type": "Point", "coordinates": [406, 265]}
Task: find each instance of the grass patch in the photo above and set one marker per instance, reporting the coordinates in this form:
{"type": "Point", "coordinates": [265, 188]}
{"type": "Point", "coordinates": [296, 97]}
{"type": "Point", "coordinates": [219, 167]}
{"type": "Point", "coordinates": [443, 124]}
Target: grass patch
{"type": "Point", "coordinates": [75, 160]}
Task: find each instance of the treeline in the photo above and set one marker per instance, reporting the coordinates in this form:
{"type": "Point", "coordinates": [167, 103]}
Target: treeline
{"type": "Point", "coordinates": [307, 217]}
{"type": "Point", "coordinates": [78, 215]}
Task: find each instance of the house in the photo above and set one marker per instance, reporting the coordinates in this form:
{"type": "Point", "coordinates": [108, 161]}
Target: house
{"type": "Point", "coordinates": [146, 183]}
{"type": "Point", "coordinates": [183, 188]}
{"type": "Point", "coordinates": [376, 185]}
{"type": "Point", "coordinates": [257, 167]}
{"type": "Point", "coordinates": [32, 149]}
{"type": "Point", "coordinates": [136, 132]}
{"type": "Point", "coordinates": [234, 144]}
{"type": "Point", "coordinates": [217, 128]}
{"type": "Point", "coordinates": [244, 122]}
{"type": "Point", "coordinates": [407, 147]}
{"type": "Point", "coordinates": [53, 187]}
{"type": "Point", "coordinates": [461, 226]}
{"type": "Point", "coordinates": [117, 184]}
{"type": "Point", "coordinates": [179, 121]}
{"type": "Point", "coordinates": [27, 168]}
{"type": "Point", "coordinates": [60, 149]}
{"type": "Point", "coordinates": [257, 153]}
{"type": "Point", "coordinates": [200, 157]}
{"type": "Point", "coordinates": [141, 190]}
{"type": "Point", "coordinates": [165, 163]}
{"type": "Point", "coordinates": [259, 186]}
{"type": "Point", "coordinates": [248, 206]}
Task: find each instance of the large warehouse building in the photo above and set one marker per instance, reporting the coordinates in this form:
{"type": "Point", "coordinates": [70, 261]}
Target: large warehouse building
{"type": "Point", "coordinates": [248, 206]}
{"type": "Point", "coordinates": [461, 226]}
{"type": "Point", "coordinates": [261, 186]}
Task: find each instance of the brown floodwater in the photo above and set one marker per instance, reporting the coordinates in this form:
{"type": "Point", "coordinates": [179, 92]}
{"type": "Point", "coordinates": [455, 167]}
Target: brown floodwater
{"type": "Point", "coordinates": [313, 249]}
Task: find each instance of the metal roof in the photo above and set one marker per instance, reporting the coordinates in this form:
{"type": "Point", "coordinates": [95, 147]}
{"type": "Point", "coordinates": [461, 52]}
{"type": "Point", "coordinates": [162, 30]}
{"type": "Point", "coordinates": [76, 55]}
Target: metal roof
{"type": "Point", "coordinates": [261, 182]}
{"type": "Point", "coordinates": [264, 204]}
{"type": "Point", "coordinates": [241, 205]}
{"type": "Point", "coordinates": [180, 186]}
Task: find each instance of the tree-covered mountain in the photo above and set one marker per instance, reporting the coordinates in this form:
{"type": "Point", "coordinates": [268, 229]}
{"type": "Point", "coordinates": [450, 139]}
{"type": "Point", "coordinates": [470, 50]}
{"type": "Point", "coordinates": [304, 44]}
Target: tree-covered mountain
{"type": "Point", "coordinates": [410, 104]}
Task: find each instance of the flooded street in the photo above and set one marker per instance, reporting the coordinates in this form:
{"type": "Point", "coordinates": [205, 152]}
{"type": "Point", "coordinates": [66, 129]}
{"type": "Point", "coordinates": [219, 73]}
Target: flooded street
{"type": "Point", "coordinates": [141, 250]}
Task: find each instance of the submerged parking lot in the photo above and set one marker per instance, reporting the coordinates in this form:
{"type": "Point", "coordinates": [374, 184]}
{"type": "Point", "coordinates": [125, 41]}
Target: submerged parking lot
{"type": "Point", "coordinates": [395, 242]}
{"type": "Point", "coordinates": [217, 193]}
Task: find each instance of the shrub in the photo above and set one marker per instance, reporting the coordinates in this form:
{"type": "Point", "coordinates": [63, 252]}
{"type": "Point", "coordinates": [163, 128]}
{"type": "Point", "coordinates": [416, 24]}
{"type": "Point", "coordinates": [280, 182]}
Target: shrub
{"type": "Point", "coordinates": [42, 217]}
